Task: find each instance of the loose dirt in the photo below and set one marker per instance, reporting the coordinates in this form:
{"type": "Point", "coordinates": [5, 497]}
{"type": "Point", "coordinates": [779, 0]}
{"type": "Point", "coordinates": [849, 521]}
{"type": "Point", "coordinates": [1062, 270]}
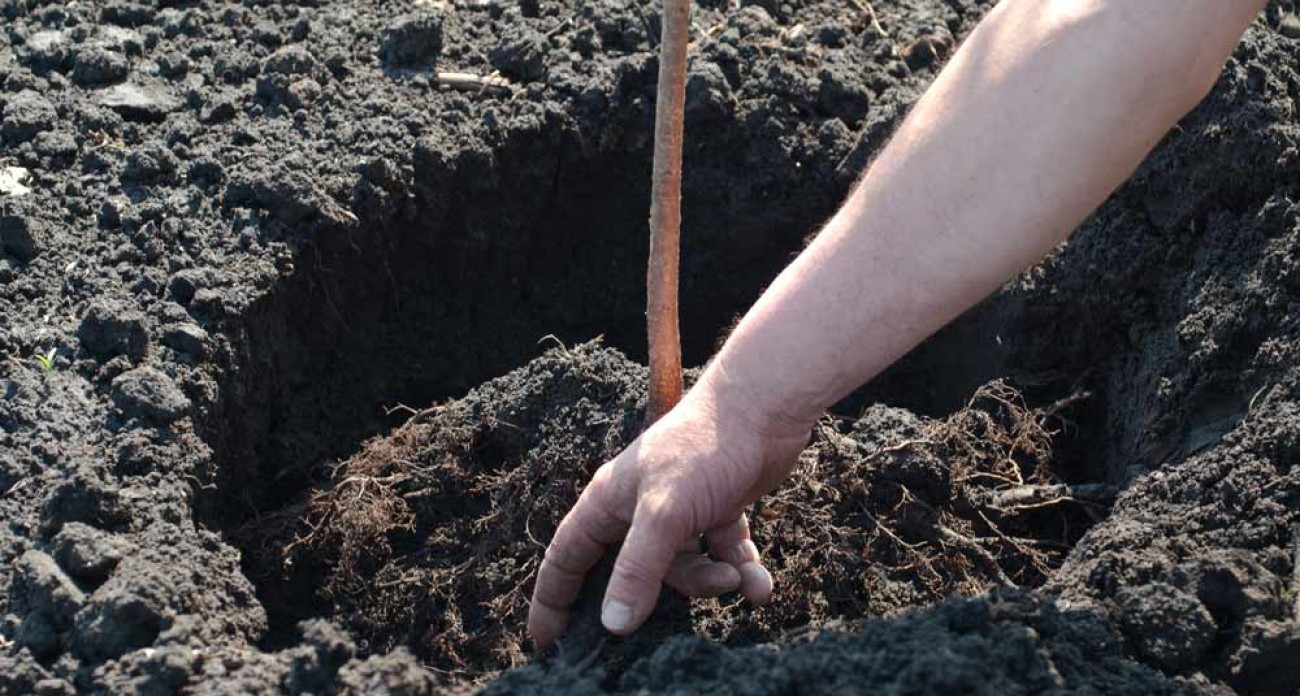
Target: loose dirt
{"type": "Point", "coordinates": [253, 232]}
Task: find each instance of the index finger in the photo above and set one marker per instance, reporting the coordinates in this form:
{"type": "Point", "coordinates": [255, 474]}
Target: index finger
{"type": "Point", "coordinates": [579, 542]}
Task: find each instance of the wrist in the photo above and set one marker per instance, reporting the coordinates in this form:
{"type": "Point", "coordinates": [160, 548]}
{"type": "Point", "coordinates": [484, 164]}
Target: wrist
{"type": "Point", "coordinates": [734, 398]}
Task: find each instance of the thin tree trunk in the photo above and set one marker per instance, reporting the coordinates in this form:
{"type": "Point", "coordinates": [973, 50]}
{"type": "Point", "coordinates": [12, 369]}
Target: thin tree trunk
{"type": "Point", "coordinates": [666, 214]}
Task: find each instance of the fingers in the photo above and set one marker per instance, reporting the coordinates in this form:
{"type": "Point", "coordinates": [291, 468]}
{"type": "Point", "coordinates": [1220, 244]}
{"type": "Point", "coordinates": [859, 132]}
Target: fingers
{"type": "Point", "coordinates": [730, 543]}
{"type": "Point", "coordinates": [696, 575]}
{"type": "Point", "coordinates": [578, 543]}
{"type": "Point", "coordinates": [644, 561]}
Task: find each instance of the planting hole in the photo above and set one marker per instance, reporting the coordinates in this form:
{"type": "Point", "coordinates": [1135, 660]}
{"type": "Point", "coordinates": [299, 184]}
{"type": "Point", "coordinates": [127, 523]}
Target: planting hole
{"type": "Point", "coordinates": [487, 269]}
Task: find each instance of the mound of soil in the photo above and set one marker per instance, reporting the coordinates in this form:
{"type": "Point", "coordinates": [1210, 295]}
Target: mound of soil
{"type": "Point", "coordinates": [429, 537]}
{"type": "Point", "coordinates": [250, 230]}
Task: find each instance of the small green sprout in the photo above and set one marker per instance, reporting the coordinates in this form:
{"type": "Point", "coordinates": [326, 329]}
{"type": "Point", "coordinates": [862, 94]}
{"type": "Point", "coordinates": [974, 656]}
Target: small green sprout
{"type": "Point", "coordinates": [47, 361]}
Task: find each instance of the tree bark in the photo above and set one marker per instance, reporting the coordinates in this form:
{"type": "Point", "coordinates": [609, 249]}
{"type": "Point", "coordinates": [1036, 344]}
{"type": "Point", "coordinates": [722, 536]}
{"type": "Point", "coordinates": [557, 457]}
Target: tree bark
{"type": "Point", "coordinates": [665, 349]}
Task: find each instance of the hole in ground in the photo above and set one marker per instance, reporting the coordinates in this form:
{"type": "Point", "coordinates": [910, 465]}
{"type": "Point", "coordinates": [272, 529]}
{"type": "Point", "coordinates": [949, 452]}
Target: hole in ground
{"type": "Point", "coordinates": [459, 282]}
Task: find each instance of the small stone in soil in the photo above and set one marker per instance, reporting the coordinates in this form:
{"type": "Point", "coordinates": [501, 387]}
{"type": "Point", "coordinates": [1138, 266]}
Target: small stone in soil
{"type": "Point", "coordinates": [12, 181]}
{"type": "Point", "coordinates": [136, 102]}
{"type": "Point", "coordinates": [1290, 26]}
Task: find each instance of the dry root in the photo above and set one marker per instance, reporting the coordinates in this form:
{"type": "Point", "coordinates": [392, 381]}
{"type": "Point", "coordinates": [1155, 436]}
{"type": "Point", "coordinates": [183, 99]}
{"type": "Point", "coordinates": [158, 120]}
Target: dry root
{"type": "Point", "coordinates": [430, 536]}
{"type": "Point", "coordinates": [874, 527]}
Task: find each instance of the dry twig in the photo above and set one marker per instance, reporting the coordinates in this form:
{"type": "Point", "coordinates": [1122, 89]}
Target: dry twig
{"type": "Point", "coordinates": [1021, 498]}
{"type": "Point", "coordinates": [469, 82]}
{"type": "Point", "coordinates": [870, 12]}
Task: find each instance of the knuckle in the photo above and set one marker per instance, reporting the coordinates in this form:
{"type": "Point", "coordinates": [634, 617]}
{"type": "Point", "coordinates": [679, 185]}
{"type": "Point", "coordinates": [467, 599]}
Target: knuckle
{"type": "Point", "coordinates": [634, 572]}
{"type": "Point", "coordinates": [608, 488]}
{"type": "Point", "coordinates": [667, 513]}
{"type": "Point", "coordinates": [729, 534]}
{"type": "Point", "coordinates": [687, 584]}
{"type": "Point", "coordinates": [605, 472]}
{"type": "Point", "coordinates": [743, 552]}
{"type": "Point", "coordinates": [599, 479]}
{"type": "Point", "coordinates": [549, 593]}
{"type": "Point", "coordinates": [655, 508]}
{"type": "Point", "coordinates": [560, 557]}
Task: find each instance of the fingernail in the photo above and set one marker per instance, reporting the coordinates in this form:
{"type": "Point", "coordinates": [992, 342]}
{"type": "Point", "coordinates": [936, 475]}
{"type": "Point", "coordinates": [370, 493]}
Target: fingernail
{"type": "Point", "coordinates": [616, 616]}
{"type": "Point", "coordinates": [756, 583]}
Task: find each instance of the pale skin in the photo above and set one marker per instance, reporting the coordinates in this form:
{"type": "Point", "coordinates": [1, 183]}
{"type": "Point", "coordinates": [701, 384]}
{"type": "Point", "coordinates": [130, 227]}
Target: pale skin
{"type": "Point", "coordinates": [1046, 108]}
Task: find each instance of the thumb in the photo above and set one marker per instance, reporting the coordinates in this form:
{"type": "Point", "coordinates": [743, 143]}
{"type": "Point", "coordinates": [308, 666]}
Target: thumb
{"type": "Point", "coordinates": [646, 557]}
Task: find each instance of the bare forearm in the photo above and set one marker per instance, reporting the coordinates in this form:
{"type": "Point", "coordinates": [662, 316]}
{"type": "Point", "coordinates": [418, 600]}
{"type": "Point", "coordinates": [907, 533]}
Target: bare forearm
{"type": "Point", "coordinates": [1047, 107]}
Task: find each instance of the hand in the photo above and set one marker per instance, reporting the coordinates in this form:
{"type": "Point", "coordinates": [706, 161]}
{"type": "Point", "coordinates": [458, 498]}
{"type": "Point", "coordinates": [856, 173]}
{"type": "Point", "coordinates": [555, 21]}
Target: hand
{"type": "Point", "coordinates": [691, 474]}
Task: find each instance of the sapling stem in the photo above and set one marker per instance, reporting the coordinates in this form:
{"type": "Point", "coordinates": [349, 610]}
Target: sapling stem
{"type": "Point", "coordinates": [666, 214]}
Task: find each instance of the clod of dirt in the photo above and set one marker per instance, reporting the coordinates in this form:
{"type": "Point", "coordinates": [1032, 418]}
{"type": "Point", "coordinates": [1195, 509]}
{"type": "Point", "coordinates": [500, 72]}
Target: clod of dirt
{"type": "Point", "coordinates": [46, 50]}
{"type": "Point", "coordinates": [1265, 658]}
{"type": "Point", "coordinates": [1006, 642]}
{"type": "Point", "coordinates": [109, 328]}
{"type": "Point", "coordinates": [88, 554]}
{"type": "Point", "coordinates": [150, 165]}
{"type": "Point", "coordinates": [26, 114]}
{"type": "Point", "coordinates": [50, 598]}
{"type": "Point", "coordinates": [309, 668]}
{"type": "Point", "coordinates": [1290, 26]}
{"type": "Point", "coordinates": [413, 40]}
{"type": "Point", "coordinates": [131, 609]}
{"type": "Point", "coordinates": [94, 67]}
{"type": "Point", "coordinates": [291, 60]}
{"type": "Point", "coordinates": [1168, 627]}
{"type": "Point", "coordinates": [21, 238]}
{"type": "Point", "coordinates": [190, 339]}
{"type": "Point", "coordinates": [148, 393]}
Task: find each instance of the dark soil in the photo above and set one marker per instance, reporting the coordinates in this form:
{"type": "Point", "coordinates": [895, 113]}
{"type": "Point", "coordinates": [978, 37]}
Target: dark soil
{"type": "Point", "coordinates": [429, 537]}
{"type": "Point", "coordinates": [255, 229]}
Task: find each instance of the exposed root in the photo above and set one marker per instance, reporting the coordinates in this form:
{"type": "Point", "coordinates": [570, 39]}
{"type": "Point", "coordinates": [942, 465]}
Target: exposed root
{"type": "Point", "coordinates": [914, 519]}
{"type": "Point", "coordinates": [430, 536]}
{"type": "Point", "coordinates": [492, 84]}
{"type": "Point", "coordinates": [1021, 498]}
{"type": "Point", "coordinates": [966, 545]}
{"type": "Point", "coordinates": [870, 12]}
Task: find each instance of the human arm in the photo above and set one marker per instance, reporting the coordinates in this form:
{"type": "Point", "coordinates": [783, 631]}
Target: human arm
{"type": "Point", "coordinates": [1043, 111]}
